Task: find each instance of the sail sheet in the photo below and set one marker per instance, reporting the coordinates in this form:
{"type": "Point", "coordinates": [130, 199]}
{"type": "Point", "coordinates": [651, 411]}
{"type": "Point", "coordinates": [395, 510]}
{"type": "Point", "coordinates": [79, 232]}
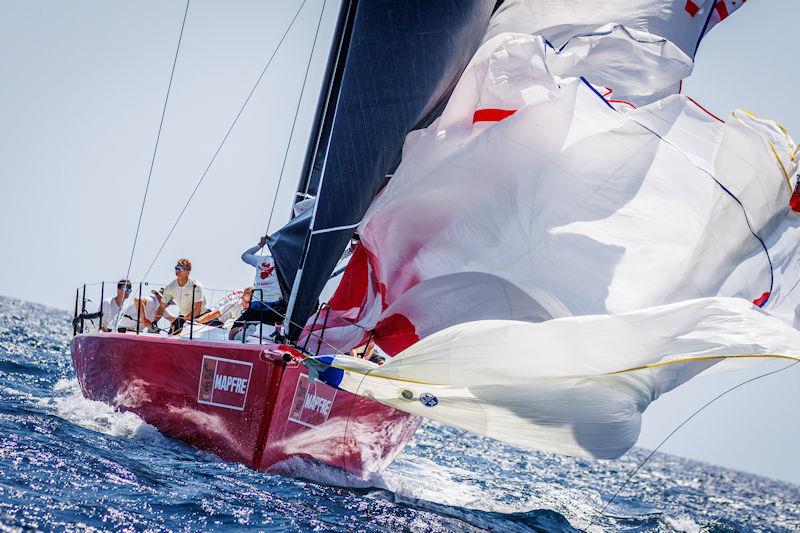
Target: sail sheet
{"type": "Point", "coordinates": [402, 59]}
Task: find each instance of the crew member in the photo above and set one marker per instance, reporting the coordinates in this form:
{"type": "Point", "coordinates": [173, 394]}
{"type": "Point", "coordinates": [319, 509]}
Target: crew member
{"type": "Point", "coordinates": [119, 312]}
{"type": "Point", "coordinates": [180, 292]}
{"type": "Point", "coordinates": [268, 305]}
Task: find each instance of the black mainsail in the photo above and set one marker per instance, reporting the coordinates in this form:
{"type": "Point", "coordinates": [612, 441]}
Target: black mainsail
{"type": "Point", "coordinates": [392, 66]}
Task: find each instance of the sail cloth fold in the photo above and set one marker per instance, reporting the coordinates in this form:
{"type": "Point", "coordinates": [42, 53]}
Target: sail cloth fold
{"type": "Point", "coordinates": [683, 22]}
{"type": "Point", "coordinates": [575, 205]}
{"type": "Point", "coordinates": [575, 385]}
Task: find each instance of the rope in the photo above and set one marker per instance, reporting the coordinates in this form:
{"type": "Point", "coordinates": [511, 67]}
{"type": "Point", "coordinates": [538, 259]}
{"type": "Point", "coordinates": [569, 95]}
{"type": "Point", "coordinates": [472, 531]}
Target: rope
{"type": "Point", "coordinates": [224, 139]}
{"type": "Point", "coordinates": [639, 467]}
{"type": "Point", "coordinates": [158, 138]}
{"type": "Point", "coordinates": [294, 121]}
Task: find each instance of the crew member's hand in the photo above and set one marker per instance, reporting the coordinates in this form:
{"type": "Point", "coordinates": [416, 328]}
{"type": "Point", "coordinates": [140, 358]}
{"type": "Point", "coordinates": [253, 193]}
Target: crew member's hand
{"type": "Point", "coordinates": [262, 241]}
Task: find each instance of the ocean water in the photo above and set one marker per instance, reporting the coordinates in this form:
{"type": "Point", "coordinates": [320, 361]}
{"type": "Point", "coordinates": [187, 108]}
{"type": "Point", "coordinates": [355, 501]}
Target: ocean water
{"type": "Point", "coordinates": [70, 463]}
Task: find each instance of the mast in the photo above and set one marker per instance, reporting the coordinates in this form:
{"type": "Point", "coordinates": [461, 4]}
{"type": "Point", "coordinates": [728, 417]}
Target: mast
{"type": "Point", "coordinates": [319, 138]}
{"type": "Point", "coordinates": [331, 85]}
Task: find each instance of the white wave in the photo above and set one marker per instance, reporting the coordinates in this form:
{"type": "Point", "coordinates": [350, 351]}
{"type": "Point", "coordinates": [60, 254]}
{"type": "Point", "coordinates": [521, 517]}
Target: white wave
{"type": "Point", "coordinates": [683, 523]}
{"type": "Point", "coordinates": [324, 474]}
{"type": "Point", "coordinates": [68, 403]}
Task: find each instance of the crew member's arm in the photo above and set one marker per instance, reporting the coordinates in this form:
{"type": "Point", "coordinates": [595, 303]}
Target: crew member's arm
{"type": "Point", "coordinates": [198, 308]}
{"type": "Point", "coordinates": [138, 306]}
{"type": "Point", "coordinates": [249, 255]}
{"type": "Point", "coordinates": [208, 317]}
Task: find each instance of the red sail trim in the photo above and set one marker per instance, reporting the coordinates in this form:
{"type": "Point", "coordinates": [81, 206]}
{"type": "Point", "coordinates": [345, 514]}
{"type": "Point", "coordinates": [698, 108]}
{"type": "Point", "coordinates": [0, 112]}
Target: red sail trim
{"type": "Point", "coordinates": [622, 102]}
{"type": "Point", "coordinates": [722, 9]}
{"type": "Point", "coordinates": [691, 8]}
{"type": "Point", "coordinates": [761, 300]}
{"type": "Point", "coordinates": [794, 201]}
{"type": "Point", "coordinates": [703, 108]}
{"type": "Point", "coordinates": [395, 333]}
{"type": "Point", "coordinates": [491, 115]}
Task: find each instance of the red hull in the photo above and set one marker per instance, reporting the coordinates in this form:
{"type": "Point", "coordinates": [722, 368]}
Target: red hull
{"type": "Point", "coordinates": [239, 401]}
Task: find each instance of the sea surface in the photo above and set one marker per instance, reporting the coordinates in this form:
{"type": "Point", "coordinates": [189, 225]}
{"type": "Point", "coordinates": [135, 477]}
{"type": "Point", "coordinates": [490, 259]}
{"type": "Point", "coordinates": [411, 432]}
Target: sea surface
{"type": "Point", "coordinates": [70, 463]}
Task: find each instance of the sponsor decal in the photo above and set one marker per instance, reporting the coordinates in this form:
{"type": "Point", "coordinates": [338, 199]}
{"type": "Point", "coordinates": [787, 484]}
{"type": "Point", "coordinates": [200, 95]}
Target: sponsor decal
{"type": "Point", "coordinates": [224, 382]}
{"type": "Point", "coordinates": [428, 400]}
{"type": "Point", "coordinates": [311, 404]}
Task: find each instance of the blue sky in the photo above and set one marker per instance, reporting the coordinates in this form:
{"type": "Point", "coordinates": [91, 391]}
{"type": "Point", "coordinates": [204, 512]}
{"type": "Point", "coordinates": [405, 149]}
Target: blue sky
{"type": "Point", "coordinates": [83, 86]}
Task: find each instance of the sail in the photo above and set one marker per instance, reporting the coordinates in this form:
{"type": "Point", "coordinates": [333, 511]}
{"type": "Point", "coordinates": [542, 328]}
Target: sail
{"type": "Point", "coordinates": [548, 258]}
{"type": "Point", "coordinates": [401, 60]}
{"type": "Point", "coordinates": [575, 385]}
{"type": "Point", "coordinates": [682, 22]}
{"type": "Point", "coordinates": [576, 205]}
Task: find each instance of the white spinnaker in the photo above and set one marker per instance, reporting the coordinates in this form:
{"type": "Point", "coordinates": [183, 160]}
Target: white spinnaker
{"type": "Point", "coordinates": [571, 206]}
{"type": "Point", "coordinates": [575, 385]}
{"type": "Point", "coordinates": [587, 237]}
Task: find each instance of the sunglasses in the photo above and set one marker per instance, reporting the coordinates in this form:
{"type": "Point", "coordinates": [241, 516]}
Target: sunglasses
{"type": "Point", "coordinates": [180, 268]}
{"type": "Point", "coordinates": [127, 289]}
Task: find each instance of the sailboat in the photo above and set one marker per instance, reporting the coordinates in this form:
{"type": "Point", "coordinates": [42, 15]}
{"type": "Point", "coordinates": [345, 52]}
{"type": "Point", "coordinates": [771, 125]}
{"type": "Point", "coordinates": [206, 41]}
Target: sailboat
{"type": "Point", "coordinates": [552, 236]}
{"type": "Point", "coordinates": [253, 402]}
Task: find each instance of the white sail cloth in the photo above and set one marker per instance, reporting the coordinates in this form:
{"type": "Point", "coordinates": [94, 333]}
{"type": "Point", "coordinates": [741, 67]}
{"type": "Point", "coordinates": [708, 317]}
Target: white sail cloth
{"type": "Point", "coordinates": [683, 22]}
{"type": "Point", "coordinates": [540, 235]}
{"type": "Point", "coordinates": [567, 207]}
{"type": "Point", "coordinates": [575, 385]}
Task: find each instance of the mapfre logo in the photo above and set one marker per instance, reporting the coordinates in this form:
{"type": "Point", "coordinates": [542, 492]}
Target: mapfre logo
{"type": "Point", "coordinates": [311, 404]}
{"type": "Point", "coordinates": [224, 382]}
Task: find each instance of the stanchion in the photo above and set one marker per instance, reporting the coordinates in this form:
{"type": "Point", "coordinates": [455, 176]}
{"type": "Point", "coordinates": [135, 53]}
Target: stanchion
{"type": "Point", "coordinates": [75, 316]}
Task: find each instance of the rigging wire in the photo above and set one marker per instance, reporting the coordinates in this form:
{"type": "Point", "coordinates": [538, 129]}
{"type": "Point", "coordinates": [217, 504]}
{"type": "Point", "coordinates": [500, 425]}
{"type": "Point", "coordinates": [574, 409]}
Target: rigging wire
{"type": "Point", "coordinates": [296, 113]}
{"type": "Point", "coordinates": [717, 397]}
{"type": "Point", "coordinates": [225, 138]}
{"type": "Point", "coordinates": [158, 138]}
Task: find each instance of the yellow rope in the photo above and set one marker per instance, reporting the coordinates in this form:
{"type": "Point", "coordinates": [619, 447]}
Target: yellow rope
{"type": "Point", "coordinates": [704, 358]}
{"type": "Point", "coordinates": [616, 372]}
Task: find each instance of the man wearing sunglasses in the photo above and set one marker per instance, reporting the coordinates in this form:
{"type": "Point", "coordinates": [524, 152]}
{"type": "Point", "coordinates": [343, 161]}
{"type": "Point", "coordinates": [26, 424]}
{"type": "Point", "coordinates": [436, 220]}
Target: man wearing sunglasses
{"type": "Point", "coordinates": [119, 312]}
{"type": "Point", "coordinates": [180, 291]}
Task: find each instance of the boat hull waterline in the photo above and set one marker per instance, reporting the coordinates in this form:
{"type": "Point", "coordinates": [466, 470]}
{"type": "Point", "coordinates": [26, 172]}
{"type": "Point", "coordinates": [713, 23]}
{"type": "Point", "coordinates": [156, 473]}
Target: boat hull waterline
{"type": "Point", "coordinates": [242, 402]}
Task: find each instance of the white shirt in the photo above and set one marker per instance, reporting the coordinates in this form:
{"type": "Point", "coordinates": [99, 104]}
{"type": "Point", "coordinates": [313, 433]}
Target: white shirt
{"type": "Point", "coordinates": [151, 304]}
{"type": "Point", "coordinates": [127, 318]}
{"type": "Point", "coordinates": [229, 307]}
{"type": "Point", "coordinates": [266, 278]}
{"type": "Point", "coordinates": [182, 296]}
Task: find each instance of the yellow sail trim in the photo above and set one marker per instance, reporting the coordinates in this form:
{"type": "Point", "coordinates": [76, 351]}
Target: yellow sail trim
{"type": "Point", "coordinates": [791, 148]}
{"type": "Point", "coordinates": [616, 372]}
{"type": "Point", "coordinates": [704, 358]}
{"type": "Point", "coordinates": [783, 168]}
